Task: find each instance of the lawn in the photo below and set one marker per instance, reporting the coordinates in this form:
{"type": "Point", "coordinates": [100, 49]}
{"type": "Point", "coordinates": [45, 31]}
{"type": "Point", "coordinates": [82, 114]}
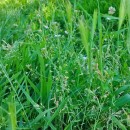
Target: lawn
{"type": "Point", "coordinates": [64, 65]}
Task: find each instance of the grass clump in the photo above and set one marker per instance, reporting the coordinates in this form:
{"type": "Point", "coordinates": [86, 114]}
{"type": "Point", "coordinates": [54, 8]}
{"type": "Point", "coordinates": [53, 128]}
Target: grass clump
{"type": "Point", "coordinates": [64, 65]}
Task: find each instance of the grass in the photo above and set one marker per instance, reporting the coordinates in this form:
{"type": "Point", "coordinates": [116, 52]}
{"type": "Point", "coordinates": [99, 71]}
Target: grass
{"type": "Point", "coordinates": [64, 65]}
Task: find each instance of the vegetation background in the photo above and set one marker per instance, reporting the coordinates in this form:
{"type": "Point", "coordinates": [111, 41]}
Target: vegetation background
{"type": "Point", "coordinates": [64, 65]}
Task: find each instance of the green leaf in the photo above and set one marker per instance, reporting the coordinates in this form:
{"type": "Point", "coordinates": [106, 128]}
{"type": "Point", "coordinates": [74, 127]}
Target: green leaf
{"type": "Point", "coordinates": [12, 115]}
{"type": "Point", "coordinates": [118, 123]}
{"type": "Point", "coordinates": [56, 112]}
{"type": "Point", "coordinates": [122, 89]}
{"type": "Point", "coordinates": [123, 101]}
{"type": "Point", "coordinates": [32, 85]}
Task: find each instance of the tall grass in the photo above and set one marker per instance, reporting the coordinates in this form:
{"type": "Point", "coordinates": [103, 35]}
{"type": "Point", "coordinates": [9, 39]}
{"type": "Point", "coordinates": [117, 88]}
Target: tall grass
{"type": "Point", "coordinates": [60, 66]}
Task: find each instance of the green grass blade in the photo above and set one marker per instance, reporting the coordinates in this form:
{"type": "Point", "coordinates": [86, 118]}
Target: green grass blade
{"type": "Point", "coordinates": [123, 101]}
{"type": "Point", "coordinates": [56, 112]}
{"type": "Point", "coordinates": [122, 13]}
{"type": "Point", "coordinates": [118, 123]}
{"type": "Point", "coordinates": [12, 115]}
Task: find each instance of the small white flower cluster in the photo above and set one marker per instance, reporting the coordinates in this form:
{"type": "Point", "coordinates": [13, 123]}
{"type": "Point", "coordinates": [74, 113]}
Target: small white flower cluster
{"type": "Point", "coordinates": [111, 10]}
{"type": "Point", "coordinates": [46, 27]}
{"type": "Point", "coordinates": [57, 35]}
{"type": "Point", "coordinates": [7, 47]}
{"type": "Point", "coordinates": [66, 32]}
{"type": "Point", "coordinates": [51, 28]}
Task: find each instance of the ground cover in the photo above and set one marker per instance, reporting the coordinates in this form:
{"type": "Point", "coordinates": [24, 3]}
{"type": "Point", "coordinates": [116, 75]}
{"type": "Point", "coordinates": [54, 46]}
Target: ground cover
{"type": "Point", "coordinates": [64, 65]}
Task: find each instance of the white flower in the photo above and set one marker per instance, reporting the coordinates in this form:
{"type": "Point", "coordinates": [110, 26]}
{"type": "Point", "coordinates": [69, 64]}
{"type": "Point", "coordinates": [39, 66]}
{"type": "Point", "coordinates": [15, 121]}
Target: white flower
{"type": "Point", "coordinates": [46, 27]}
{"type": "Point", "coordinates": [28, 66]}
{"type": "Point", "coordinates": [54, 23]}
{"type": "Point", "coordinates": [66, 32]}
{"type": "Point", "coordinates": [57, 35]}
{"type": "Point", "coordinates": [108, 18]}
{"type": "Point", "coordinates": [84, 58]}
{"type": "Point", "coordinates": [15, 25]}
{"type": "Point", "coordinates": [111, 10]}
